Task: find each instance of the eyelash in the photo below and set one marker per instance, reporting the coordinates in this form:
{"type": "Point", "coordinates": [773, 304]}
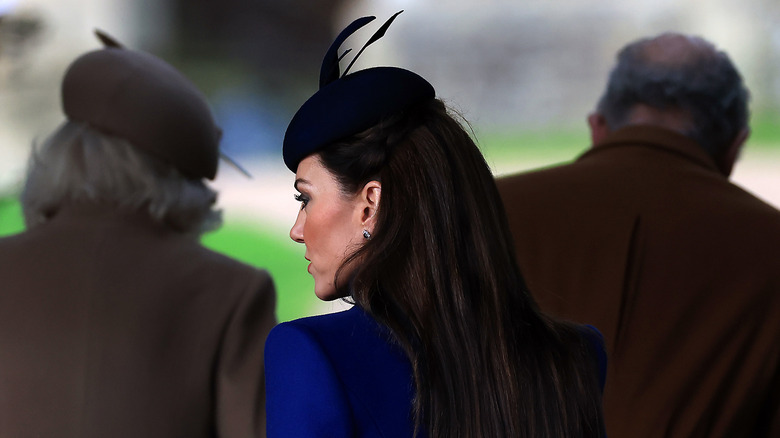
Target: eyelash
{"type": "Point", "coordinates": [302, 199]}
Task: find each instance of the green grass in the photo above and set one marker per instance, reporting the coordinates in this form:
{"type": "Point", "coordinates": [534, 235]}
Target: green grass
{"type": "Point", "coordinates": [273, 250]}
{"type": "Point", "coordinates": [765, 132]}
{"type": "Point", "coordinates": [254, 244]}
{"type": "Point", "coordinates": [11, 221]}
{"type": "Point", "coordinates": [513, 150]}
{"type": "Point", "coordinates": [507, 151]}
{"type": "Point", "coordinates": [533, 143]}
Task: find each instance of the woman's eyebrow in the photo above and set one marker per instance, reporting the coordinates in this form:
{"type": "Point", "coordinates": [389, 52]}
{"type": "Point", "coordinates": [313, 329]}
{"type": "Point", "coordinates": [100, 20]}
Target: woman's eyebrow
{"type": "Point", "coordinates": [300, 181]}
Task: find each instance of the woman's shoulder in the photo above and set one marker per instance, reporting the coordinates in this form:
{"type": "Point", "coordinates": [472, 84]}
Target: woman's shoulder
{"type": "Point", "coordinates": [343, 362]}
{"type": "Point", "coordinates": [595, 341]}
{"type": "Point", "coordinates": [593, 336]}
{"type": "Point", "coordinates": [340, 337]}
{"type": "Point", "coordinates": [328, 320]}
{"type": "Point", "coordinates": [326, 327]}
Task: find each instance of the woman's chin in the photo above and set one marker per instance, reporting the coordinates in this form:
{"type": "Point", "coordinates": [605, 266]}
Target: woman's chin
{"type": "Point", "coordinates": [327, 294]}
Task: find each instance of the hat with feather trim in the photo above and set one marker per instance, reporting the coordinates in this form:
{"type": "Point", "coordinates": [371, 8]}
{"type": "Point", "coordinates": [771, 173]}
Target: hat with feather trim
{"type": "Point", "coordinates": [347, 104]}
{"type": "Point", "coordinates": [142, 99]}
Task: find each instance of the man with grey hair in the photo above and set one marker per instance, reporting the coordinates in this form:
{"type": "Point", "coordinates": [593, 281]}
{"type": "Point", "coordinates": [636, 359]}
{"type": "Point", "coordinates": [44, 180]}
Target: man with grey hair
{"type": "Point", "coordinates": [645, 237]}
{"type": "Point", "coordinates": [114, 320]}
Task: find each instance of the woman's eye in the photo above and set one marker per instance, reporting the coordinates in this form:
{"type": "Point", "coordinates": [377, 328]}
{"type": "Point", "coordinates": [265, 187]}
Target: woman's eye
{"type": "Point", "coordinates": [302, 199]}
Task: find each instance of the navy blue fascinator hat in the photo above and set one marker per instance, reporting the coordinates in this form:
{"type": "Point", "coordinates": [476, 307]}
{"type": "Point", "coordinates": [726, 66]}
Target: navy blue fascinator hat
{"type": "Point", "coordinates": [347, 104]}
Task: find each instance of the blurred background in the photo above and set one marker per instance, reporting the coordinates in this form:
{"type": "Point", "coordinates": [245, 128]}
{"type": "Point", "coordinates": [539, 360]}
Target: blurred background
{"type": "Point", "coordinates": [525, 74]}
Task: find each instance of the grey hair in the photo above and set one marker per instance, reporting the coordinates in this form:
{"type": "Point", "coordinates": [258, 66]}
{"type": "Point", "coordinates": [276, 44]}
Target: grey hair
{"type": "Point", "coordinates": [79, 164]}
{"type": "Point", "coordinates": [704, 84]}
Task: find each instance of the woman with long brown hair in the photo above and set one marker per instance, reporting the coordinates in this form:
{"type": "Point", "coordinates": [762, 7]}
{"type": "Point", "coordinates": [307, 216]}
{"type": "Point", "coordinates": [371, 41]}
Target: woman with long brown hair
{"type": "Point", "coordinates": [400, 214]}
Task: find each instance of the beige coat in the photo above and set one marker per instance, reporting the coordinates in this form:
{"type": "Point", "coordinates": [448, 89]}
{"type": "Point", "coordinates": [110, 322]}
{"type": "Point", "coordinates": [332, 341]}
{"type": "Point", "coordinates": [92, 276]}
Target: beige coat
{"type": "Point", "coordinates": [679, 269]}
{"type": "Point", "coordinates": [114, 326]}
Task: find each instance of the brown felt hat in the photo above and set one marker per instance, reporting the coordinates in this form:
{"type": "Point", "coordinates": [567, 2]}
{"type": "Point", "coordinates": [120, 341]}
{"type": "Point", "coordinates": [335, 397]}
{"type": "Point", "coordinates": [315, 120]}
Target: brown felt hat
{"type": "Point", "coordinates": [139, 97]}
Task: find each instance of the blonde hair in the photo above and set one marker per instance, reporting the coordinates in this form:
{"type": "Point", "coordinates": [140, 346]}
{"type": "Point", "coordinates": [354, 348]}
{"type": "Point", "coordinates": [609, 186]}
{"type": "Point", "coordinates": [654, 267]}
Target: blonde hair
{"type": "Point", "coordinates": [79, 164]}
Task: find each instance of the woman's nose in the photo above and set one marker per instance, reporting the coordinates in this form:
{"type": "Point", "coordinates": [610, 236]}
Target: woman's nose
{"type": "Point", "coordinates": [296, 232]}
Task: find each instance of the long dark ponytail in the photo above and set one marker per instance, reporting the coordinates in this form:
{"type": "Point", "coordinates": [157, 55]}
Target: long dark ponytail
{"type": "Point", "coordinates": [440, 271]}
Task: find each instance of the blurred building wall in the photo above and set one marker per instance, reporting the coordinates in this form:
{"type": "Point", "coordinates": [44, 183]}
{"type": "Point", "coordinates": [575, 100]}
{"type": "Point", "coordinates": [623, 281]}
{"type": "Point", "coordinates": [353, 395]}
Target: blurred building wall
{"type": "Point", "coordinates": [535, 62]}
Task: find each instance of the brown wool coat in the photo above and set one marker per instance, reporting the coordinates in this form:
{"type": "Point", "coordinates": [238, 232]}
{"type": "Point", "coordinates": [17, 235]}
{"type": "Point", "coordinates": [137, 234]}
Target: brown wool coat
{"type": "Point", "coordinates": [679, 269]}
{"type": "Point", "coordinates": [114, 326]}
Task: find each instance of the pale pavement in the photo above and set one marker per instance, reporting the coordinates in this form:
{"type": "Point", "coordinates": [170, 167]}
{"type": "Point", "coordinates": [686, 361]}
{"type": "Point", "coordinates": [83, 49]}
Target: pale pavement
{"type": "Point", "coordinates": [267, 198]}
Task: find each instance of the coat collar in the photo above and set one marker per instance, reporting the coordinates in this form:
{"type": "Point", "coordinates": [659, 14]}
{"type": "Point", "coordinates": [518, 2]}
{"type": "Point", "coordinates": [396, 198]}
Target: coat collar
{"type": "Point", "coordinates": [106, 213]}
{"type": "Point", "coordinates": [656, 138]}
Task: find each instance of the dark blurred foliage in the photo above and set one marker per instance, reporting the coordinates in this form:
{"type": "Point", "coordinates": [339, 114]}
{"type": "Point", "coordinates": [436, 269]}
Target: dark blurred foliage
{"type": "Point", "coordinates": [281, 41]}
{"type": "Point", "coordinates": [257, 60]}
{"type": "Point", "coordinates": [19, 31]}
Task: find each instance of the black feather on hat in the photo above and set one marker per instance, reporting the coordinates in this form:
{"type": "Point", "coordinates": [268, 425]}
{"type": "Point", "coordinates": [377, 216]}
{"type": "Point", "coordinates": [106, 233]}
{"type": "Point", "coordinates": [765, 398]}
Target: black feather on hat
{"type": "Point", "coordinates": [347, 104]}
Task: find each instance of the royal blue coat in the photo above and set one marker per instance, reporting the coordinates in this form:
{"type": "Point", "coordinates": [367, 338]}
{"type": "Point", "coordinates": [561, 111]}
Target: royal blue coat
{"type": "Point", "coordinates": [341, 375]}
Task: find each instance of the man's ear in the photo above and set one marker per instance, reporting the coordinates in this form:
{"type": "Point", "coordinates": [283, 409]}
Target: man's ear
{"type": "Point", "coordinates": [730, 156]}
{"type": "Point", "coordinates": [370, 196]}
{"type": "Point", "coordinates": [598, 128]}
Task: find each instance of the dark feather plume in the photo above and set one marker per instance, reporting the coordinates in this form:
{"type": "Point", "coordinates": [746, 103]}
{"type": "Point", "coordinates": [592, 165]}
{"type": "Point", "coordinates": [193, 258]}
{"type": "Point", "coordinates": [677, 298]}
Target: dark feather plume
{"type": "Point", "coordinates": [330, 64]}
{"type": "Point", "coordinates": [108, 40]}
{"type": "Point", "coordinates": [377, 35]}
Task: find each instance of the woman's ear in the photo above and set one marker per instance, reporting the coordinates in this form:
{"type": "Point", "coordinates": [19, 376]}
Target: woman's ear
{"type": "Point", "coordinates": [369, 197]}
